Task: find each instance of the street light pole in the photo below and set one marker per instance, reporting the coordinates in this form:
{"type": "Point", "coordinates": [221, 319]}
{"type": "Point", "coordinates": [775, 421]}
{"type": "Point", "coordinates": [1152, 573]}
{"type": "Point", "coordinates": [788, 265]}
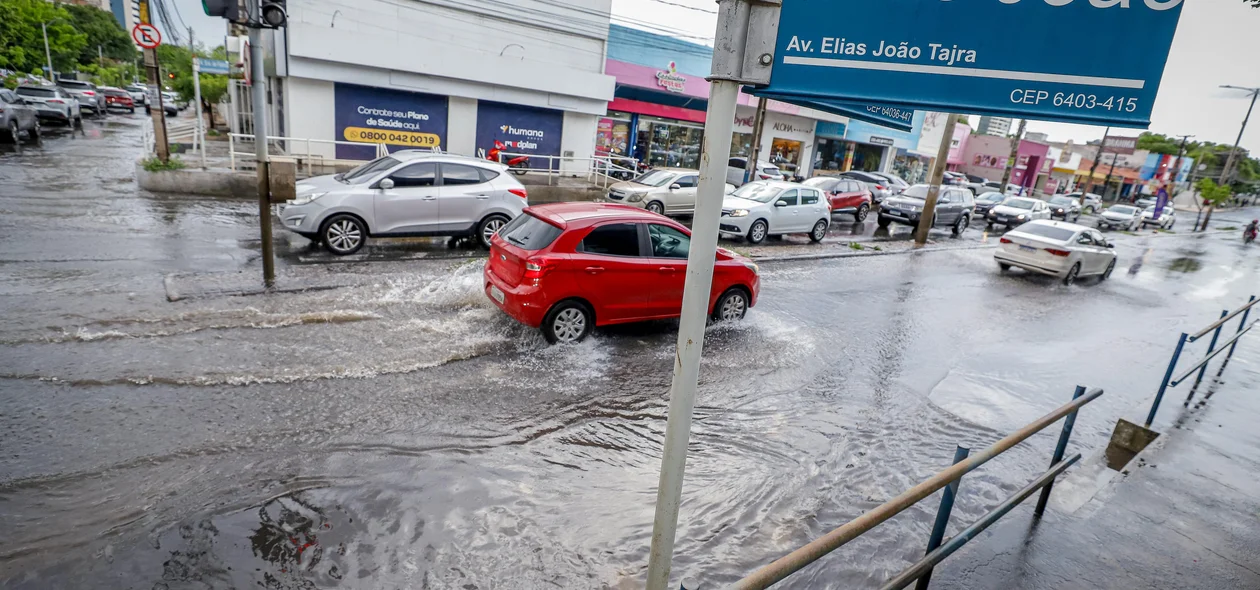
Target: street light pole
{"type": "Point", "coordinates": [1234, 151]}
{"type": "Point", "coordinates": [47, 52]}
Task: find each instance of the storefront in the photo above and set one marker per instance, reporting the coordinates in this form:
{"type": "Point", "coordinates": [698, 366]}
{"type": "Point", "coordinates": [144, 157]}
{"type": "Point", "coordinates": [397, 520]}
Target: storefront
{"type": "Point", "coordinates": [545, 96]}
{"type": "Point", "coordinates": [875, 148]}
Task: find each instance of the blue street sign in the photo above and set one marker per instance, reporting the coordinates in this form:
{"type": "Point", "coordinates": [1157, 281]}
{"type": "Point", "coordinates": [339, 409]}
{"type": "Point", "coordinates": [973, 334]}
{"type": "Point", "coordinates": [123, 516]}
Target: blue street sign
{"type": "Point", "coordinates": [1080, 61]}
{"type": "Point", "coordinates": [891, 117]}
{"type": "Point", "coordinates": [212, 66]}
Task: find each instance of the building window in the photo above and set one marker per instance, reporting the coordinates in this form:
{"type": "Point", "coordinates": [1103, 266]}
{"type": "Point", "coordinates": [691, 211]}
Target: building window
{"type": "Point", "coordinates": [830, 155]}
{"type": "Point", "coordinates": [612, 135]}
{"type": "Point", "coordinates": [786, 154]}
{"type": "Point", "coordinates": [741, 144]}
{"type": "Point", "coordinates": [867, 157]}
{"type": "Point", "coordinates": [662, 142]}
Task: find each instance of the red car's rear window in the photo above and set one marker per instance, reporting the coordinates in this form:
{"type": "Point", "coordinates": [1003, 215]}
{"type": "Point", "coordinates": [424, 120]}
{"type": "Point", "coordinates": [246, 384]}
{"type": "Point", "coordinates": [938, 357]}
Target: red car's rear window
{"type": "Point", "coordinates": [529, 233]}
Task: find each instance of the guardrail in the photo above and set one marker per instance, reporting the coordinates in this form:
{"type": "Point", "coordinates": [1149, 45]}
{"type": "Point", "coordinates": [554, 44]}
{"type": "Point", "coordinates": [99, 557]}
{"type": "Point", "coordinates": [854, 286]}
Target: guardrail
{"type": "Point", "coordinates": [1214, 329]}
{"type": "Point", "coordinates": [309, 157]}
{"type": "Point", "coordinates": [606, 169]}
{"type": "Point", "coordinates": [950, 479]}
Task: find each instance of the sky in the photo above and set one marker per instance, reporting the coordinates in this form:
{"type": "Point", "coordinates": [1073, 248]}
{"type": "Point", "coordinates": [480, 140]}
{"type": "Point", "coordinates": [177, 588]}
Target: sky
{"type": "Point", "coordinates": [1217, 42]}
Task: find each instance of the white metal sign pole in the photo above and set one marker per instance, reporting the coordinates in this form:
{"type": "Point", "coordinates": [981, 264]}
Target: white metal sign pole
{"type": "Point", "coordinates": [742, 53]}
{"type": "Point", "coordinates": [199, 129]}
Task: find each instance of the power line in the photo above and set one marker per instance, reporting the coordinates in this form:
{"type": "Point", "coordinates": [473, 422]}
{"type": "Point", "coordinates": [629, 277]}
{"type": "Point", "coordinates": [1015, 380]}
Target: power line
{"type": "Point", "coordinates": [695, 8]}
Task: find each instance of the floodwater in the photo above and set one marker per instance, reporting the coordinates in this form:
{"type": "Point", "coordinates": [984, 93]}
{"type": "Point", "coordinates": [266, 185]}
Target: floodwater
{"type": "Point", "coordinates": [394, 430]}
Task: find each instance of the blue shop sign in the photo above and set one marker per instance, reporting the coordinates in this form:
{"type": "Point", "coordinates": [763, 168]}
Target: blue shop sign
{"type": "Point", "coordinates": [887, 116]}
{"type": "Point", "coordinates": [1015, 58]}
{"type": "Point", "coordinates": [397, 118]}
{"type": "Point", "coordinates": [517, 129]}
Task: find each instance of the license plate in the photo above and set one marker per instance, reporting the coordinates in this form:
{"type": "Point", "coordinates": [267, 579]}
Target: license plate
{"type": "Point", "coordinates": [1027, 248]}
{"type": "Point", "coordinates": [496, 293]}
{"type": "Point", "coordinates": [894, 212]}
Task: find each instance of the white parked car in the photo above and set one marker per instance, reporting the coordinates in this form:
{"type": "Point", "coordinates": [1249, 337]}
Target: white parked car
{"type": "Point", "coordinates": [1017, 210]}
{"type": "Point", "coordinates": [1167, 217]}
{"type": "Point", "coordinates": [1058, 249]}
{"type": "Point", "coordinates": [1125, 217]}
{"type": "Point", "coordinates": [773, 207]}
{"type": "Point", "coordinates": [667, 191]}
{"type": "Point", "coordinates": [765, 171]}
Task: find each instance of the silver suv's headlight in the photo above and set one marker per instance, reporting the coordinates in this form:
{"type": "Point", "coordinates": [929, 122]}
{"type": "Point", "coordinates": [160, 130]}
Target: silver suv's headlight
{"type": "Point", "coordinates": [307, 198]}
{"type": "Point", "coordinates": [739, 213]}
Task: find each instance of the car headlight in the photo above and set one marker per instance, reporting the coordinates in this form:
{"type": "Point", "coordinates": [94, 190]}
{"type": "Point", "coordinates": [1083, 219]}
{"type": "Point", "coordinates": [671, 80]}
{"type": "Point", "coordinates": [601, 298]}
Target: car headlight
{"type": "Point", "coordinates": [304, 199]}
{"type": "Point", "coordinates": [635, 197]}
{"type": "Point", "coordinates": [1058, 210]}
{"type": "Point", "coordinates": [753, 267]}
{"type": "Point", "coordinates": [739, 213]}
{"type": "Point", "coordinates": [1021, 217]}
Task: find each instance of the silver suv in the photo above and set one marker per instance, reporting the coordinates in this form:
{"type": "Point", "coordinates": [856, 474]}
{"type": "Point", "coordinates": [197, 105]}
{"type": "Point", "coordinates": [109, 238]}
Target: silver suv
{"type": "Point", "coordinates": [408, 193]}
{"type": "Point", "coordinates": [87, 93]}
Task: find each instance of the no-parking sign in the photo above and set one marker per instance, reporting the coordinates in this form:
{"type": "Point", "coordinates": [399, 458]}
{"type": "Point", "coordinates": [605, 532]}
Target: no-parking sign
{"type": "Point", "coordinates": [146, 35]}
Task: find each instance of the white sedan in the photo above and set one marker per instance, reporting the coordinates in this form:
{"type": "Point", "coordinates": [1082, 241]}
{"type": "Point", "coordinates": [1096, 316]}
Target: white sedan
{"type": "Point", "coordinates": [770, 207]}
{"type": "Point", "coordinates": [1167, 217]}
{"type": "Point", "coordinates": [1057, 248]}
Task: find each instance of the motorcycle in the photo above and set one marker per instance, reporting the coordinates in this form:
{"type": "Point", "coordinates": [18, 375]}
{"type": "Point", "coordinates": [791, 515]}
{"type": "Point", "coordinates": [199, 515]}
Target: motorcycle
{"type": "Point", "coordinates": [518, 164]}
{"type": "Point", "coordinates": [1249, 235]}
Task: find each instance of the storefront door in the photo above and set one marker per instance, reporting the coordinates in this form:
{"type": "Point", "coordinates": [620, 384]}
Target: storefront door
{"type": "Point", "coordinates": [665, 143]}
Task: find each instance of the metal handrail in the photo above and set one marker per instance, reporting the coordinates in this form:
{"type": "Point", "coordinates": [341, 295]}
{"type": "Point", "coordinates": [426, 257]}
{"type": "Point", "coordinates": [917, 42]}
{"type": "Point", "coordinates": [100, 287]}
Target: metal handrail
{"type": "Point", "coordinates": [381, 149]}
{"type": "Point", "coordinates": [1218, 323]}
{"type": "Point", "coordinates": [1211, 354]}
{"type": "Point", "coordinates": [794, 561]}
{"type": "Point", "coordinates": [936, 556]}
{"type": "Point", "coordinates": [600, 166]}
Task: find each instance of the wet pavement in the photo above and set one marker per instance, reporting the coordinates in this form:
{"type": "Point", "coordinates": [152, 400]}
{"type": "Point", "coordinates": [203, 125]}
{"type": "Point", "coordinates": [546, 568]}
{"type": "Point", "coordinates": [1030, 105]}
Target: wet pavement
{"type": "Point", "coordinates": [389, 427]}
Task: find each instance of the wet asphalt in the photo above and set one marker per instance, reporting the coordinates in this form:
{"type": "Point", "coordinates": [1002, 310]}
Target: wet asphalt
{"type": "Point", "coordinates": [395, 430]}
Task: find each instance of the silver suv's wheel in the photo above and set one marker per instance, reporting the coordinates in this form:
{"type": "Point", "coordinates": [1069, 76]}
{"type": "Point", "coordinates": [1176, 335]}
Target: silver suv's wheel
{"type": "Point", "coordinates": [344, 235]}
{"type": "Point", "coordinates": [490, 226]}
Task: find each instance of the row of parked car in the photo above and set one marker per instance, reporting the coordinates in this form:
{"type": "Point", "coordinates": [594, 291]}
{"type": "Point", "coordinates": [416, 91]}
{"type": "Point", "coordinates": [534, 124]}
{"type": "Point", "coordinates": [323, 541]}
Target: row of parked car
{"type": "Point", "coordinates": [23, 109]}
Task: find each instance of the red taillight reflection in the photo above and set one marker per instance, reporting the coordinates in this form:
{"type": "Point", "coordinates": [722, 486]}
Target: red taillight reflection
{"type": "Point", "coordinates": [1005, 241]}
{"type": "Point", "coordinates": [88, 93]}
{"type": "Point", "coordinates": [520, 192]}
{"type": "Point", "coordinates": [1058, 252]}
{"type": "Point", "coordinates": [56, 101]}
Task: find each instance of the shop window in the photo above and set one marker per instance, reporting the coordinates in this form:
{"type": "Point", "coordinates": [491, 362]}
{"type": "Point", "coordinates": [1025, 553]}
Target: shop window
{"type": "Point", "coordinates": [867, 157]}
{"type": "Point", "coordinates": [741, 144]}
{"type": "Point", "coordinates": [612, 136]}
{"type": "Point", "coordinates": [786, 154]}
{"type": "Point", "coordinates": [829, 157]}
{"type": "Point", "coordinates": [667, 143]}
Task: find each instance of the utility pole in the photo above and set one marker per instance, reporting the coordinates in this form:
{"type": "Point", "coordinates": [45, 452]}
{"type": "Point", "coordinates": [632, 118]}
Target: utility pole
{"type": "Point", "coordinates": [745, 30]}
{"type": "Point", "coordinates": [1013, 159]}
{"type": "Point", "coordinates": [258, 83]}
{"type": "Point", "coordinates": [156, 111]}
{"type": "Point", "coordinates": [938, 174]}
{"type": "Point", "coordinates": [47, 53]}
{"type": "Point", "coordinates": [1229, 161]}
{"type": "Point", "coordinates": [1097, 157]}
{"type": "Point", "coordinates": [759, 121]}
{"type": "Point", "coordinates": [100, 57]}
{"type": "Point", "coordinates": [1110, 171]}
{"type": "Point", "coordinates": [199, 131]}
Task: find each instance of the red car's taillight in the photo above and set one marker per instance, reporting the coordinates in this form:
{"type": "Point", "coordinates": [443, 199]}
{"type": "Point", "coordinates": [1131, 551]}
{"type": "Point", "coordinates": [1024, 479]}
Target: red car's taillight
{"type": "Point", "coordinates": [1058, 252]}
{"type": "Point", "coordinates": [520, 192]}
{"type": "Point", "coordinates": [536, 268]}
{"type": "Point", "coordinates": [1005, 240]}
{"type": "Point", "coordinates": [88, 93]}
{"type": "Point", "coordinates": [879, 187]}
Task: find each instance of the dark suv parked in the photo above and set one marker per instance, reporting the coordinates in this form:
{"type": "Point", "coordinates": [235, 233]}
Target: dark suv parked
{"type": "Point", "coordinates": [954, 208]}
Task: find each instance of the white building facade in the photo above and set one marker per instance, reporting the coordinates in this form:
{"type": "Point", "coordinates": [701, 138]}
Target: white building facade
{"type": "Point", "coordinates": [526, 75]}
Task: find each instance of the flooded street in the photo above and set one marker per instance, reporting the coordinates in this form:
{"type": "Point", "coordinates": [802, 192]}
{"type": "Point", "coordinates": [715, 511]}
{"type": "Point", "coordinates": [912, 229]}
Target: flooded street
{"type": "Point", "coordinates": [393, 429]}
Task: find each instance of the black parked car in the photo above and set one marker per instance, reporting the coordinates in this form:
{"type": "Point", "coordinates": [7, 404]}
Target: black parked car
{"type": "Point", "coordinates": [987, 201]}
{"type": "Point", "coordinates": [1065, 208]}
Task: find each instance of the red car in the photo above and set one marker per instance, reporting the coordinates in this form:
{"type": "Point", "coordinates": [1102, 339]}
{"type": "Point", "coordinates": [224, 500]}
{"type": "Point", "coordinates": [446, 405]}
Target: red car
{"type": "Point", "coordinates": [117, 98]}
{"type": "Point", "coordinates": [567, 267]}
{"type": "Point", "coordinates": [844, 195]}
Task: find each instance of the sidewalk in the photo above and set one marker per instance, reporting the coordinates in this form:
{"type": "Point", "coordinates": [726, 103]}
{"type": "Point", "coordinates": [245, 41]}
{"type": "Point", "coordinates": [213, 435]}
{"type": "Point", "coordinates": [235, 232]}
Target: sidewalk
{"type": "Point", "coordinates": [1187, 515]}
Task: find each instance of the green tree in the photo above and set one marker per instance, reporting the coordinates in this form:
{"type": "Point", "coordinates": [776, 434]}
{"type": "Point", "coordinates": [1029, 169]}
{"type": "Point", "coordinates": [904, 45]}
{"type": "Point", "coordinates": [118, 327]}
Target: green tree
{"type": "Point", "coordinates": [1214, 195]}
{"type": "Point", "coordinates": [102, 31]}
{"type": "Point", "coordinates": [22, 41]}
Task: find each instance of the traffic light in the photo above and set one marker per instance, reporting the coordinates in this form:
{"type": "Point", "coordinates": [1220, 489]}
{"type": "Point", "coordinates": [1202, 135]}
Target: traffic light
{"type": "Point", "coordinates": [229, 9]}
{"type": "Point", "coordinates": [274, 13]}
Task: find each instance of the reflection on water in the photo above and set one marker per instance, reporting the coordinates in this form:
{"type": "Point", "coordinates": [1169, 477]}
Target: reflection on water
{"type": "Point", "coordinates": [1185, 264]}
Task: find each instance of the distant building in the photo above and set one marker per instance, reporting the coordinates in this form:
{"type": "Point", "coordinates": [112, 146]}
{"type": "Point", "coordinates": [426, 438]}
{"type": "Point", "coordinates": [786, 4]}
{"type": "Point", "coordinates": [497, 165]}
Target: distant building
{"type": "Point", "coordinates": [1037, 137]}
{"type": "Point", "coordinates": [998, 126]}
